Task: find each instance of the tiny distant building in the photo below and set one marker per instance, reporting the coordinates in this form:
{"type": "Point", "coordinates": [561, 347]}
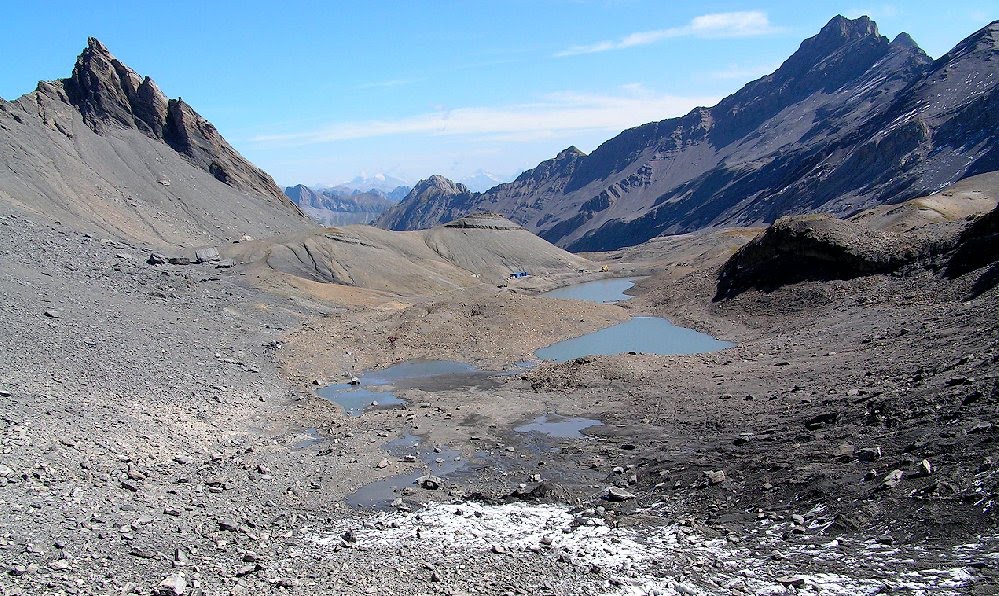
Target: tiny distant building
{"type": "Point", "coordinates": [518, 274]}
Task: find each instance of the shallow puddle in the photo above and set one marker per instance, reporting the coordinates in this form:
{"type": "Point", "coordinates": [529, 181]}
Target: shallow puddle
{"type": "Point", "coordinates": [355, 401]}
{"type": "Point", "coordinates": [558, 426]}
{"type": "Point", "coordinates": [312, 437]}
{"type": "Point", "coordinates": [377, 388]}
{"type": "Point", "coordinates": [437, 462]}
{"type": "Point", "coordinates": [603, 290]}
{"type": "Point", "coordinates": [649, 335]}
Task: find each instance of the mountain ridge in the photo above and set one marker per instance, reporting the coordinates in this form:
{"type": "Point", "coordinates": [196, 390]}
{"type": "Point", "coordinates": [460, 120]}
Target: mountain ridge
{"type": "Point", "coordinates": [767, 150]}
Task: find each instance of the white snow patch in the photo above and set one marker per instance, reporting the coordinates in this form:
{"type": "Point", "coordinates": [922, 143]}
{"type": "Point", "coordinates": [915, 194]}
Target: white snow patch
{"type": "Point", "coordinates": [661, 559]}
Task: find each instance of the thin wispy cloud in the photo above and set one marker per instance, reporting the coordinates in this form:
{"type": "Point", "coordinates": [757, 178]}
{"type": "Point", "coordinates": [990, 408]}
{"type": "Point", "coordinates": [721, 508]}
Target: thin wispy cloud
{"type": "Point", "coordinates": [553, 115]}
{"type": "Point", "coordinates": [722, 24]}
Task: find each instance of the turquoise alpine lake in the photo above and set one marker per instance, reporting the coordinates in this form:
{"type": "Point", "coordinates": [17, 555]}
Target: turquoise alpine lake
{"type": "Point", "coordinates": [603, 290]}
{"type": "Point", "coordinates": [647, 335]}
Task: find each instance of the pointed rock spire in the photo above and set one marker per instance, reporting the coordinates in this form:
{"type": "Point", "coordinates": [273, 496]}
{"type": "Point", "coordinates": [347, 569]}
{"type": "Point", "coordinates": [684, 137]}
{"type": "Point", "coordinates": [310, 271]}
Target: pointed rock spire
{"type": "Point", "coordinates": [107, 93]}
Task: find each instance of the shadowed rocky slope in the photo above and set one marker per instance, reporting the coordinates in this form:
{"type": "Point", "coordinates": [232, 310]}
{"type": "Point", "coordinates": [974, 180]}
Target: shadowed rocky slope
{"type": "Point", "coordinates": [956, 230]}
{"type": "Point", "coordinates": [106, 150]}
{"type": "Point", "coordinates": [849, 121]}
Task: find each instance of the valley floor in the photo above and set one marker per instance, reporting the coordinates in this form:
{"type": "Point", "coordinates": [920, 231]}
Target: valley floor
{"type": "Point", "coordinates": [159, 432]}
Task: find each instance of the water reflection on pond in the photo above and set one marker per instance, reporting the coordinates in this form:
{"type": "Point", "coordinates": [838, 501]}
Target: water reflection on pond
{"type": "Point", "coordinates": [602, 290]}
{"type": "Point", "coordinates": [648, 335]}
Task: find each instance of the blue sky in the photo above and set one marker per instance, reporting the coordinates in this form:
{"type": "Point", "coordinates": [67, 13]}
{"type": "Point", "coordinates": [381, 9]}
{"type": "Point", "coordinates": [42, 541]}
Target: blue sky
{"type": "Point", "coordinates": [318, 92]}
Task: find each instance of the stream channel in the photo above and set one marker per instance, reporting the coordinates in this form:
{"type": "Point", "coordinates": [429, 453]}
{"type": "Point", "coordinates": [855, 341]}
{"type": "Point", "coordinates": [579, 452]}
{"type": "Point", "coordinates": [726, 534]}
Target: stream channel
{"type": "Point", "coordinates": [376, 389]}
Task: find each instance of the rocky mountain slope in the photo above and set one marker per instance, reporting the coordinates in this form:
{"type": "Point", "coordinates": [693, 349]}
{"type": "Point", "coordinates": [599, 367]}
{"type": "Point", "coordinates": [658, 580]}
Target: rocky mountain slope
{"type": "Point", "coordinates": [337, 206]}
{"type": "Point", "coordinates": [849, 121]}
{"type": "Point", "coordinates": [438, 200]}
{"type": "Point", "coordinates": [106, 150]}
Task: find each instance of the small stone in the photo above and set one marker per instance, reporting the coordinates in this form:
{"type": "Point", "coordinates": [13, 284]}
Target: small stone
{"type": "Point", "coordinates": [173, 585]}
{"type": "Point", "coordinates": [142, 553]}
{"type": "Point", "coordinates": [248, 569]}
{"type": "Point", "coordinates": [430, 482]}
{"type": "Point", "coordinates": [715, 477]}
{"type": "Point", "coordinates": [498, 549]}
{"type": "Point", "coordinates": [228, 525]}
{"type": "Point", "coordinates": [180, 558]}
{"type": "Point", "coordinates": [206, 255]}
{"type": "Point", "coordinates": [617, 495]}
{"type": "Point", "coordinates": [798, 519]}
{"type": "Point", "coordinates": [59, 564]}
{"type": "Point", "coordinates": [382, 464]}
{"type": "Point", "coordinates": [817, 422]}
{"type": "Point", "coordinates": [52, 314]}
{"type": "Point", "coordinates": [893, 479]}
{"type": "Point", "coordinates": [980, 427]}
{"type": "Point", "coordinates": [868, 454]}
{"type": "Point", "coordinates": [794, 581]}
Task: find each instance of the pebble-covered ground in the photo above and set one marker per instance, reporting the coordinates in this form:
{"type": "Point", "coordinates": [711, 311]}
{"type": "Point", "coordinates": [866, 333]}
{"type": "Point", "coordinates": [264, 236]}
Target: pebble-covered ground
{"type": "Point", "coordinates": [159, 433]}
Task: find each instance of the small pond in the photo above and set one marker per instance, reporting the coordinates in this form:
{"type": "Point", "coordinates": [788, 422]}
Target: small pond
{"type": "Point", "coordinates": [649, 335]}
{"type": "Point", "coordinates": [603, 290]}
{"type": "Point", "coordinates": [377, 388]}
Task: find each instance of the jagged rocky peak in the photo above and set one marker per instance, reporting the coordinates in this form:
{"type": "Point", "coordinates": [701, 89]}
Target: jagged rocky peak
{"type": "Point", "coordinates": [839, 33]}
{"type": "Point", "coordinates": [437, 184]}
{"type": "Point", "coordinates": [904, 40]}
{"type": "Point", "coordinates": [840, 27]}
{"type": "Point", "coordinates": [107, 92]}
{"type": "Point", "coordinates": [570, 152]}
{"type": "Point", "coordinates": [111, 95]}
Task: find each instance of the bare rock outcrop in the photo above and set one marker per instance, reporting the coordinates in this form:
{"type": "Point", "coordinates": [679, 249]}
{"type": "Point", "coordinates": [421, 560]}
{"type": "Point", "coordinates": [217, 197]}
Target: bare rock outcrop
{"type": "Point", "coordinates": [812, 248]}
{"type": "Point", "coordinates": [107, 150]}
{"type": "Point", "coordinates": [109, 94]}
